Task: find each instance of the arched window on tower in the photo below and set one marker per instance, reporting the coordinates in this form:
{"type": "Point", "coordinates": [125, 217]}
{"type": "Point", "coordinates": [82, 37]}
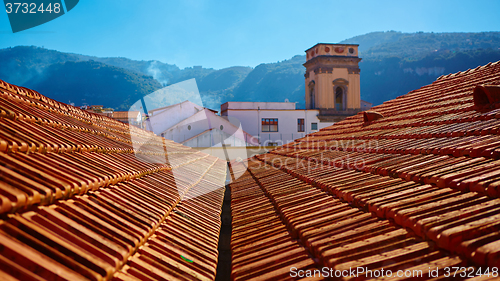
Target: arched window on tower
{"type": "Point", "coordinates": [340, 89]}
{"type": "Point", "coordinates": [339, 98]}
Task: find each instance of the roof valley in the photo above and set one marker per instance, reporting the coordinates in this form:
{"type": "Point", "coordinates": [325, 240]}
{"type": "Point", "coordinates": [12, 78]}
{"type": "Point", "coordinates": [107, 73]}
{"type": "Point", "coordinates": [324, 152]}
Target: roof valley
{"type": "Point", "coordinates": [416, 188]}
{"type": "Point", "coordinates": [259, 229]}
{"type": "Point", "coordinates": [343, 222]}
{"type": "Point", "coordinates": [85, 197]}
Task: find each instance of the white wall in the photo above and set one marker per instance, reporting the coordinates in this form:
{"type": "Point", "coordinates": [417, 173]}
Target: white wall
{"type": "Point", "coordinates": [161, 120]}
{"type": "Point", "coordinates": [180, 132]}
{"type": "Point", "coordinates": [287, 123]}
{"type": "Point", "coordinates": [202, 121]}
{"type": "Point", "coordinates": [215, 138]}
{"type": "Point", "coordinates": [365, 105]}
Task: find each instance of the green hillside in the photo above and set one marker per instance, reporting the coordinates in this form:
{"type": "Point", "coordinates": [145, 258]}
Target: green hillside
{"type": "Point", "coordinates": [391, 77]}
{"type": "Point", "coordinates": [416, 46]}
{"type": "Point", "coordinates": [393, 63]}
{"type": "Point", "coordinates": [366, 41]}
{"type": "Point", "coordinates": [274, 82]}
{"type": "Point", "coordinates": [21, 64]}
{"type": "Point", "coordinates": [91, 82]}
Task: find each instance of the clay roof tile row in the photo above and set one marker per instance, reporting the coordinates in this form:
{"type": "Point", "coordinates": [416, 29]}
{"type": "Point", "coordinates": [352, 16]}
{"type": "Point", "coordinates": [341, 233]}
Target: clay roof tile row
{"type": "Point", "coordinates": [416, 187]}
{"type": "Point", "coordinates": [261, 246]}
{"type": "Point", "coordinates": [85, 197]}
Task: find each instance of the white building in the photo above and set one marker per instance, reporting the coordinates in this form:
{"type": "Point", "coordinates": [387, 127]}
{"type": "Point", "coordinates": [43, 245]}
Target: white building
{"type": "Point", "coordinates": [128, 117]}
{"type": "Point", "coordinates": [197, 126]}
{"type": "Point", "coordinates": [163, 118]}
{"type": "Point", "coordinates": [274, 123]}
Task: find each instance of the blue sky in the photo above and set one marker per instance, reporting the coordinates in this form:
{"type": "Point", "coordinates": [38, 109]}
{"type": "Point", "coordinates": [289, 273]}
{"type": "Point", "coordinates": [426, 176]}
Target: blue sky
{"type": "Point", "coordinates": [221, 33]}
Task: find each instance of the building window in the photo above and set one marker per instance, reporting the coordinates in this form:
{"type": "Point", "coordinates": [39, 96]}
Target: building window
{"type": "Point", "coordinates": [221, 127]}
{"type": "Point", "coordinates": [339, 98]}
{"type": "Point", "coordinates": [314, 126]}
{"type": "Point", "coordinates": [189, 127]}
{"type": "Point", "coordinates": [300, 125]}
{"type": "Point", "coordinates": [269, 124]}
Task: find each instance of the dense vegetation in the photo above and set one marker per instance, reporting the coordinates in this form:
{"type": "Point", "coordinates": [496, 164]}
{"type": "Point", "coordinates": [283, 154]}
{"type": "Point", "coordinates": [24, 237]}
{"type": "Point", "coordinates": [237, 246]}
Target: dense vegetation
{"type": "Point", "coordinates": [93, 83]}
{"type": "Point", "coordinates": [390, 77]}
{"type": "Point", "coordinates": [416, 46]}
{"type": "Point", "coordinates": [274, 82]}
{"type": "Point", "coordinates": [393, 64]}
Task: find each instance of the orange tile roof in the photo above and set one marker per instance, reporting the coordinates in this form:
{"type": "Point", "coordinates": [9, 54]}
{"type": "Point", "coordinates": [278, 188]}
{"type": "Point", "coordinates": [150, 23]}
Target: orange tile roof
{"type": "Point", "coordinates": [125, 114]}
{"type": "Point", "coordinates": [413, 187]}
{"type": "Point", "coordinates": [77, 204]}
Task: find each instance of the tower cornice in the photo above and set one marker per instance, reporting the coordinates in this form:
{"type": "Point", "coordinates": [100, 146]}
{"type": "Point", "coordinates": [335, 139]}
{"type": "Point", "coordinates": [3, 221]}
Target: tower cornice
{"type": "Point", "coordinates": [332, 61]}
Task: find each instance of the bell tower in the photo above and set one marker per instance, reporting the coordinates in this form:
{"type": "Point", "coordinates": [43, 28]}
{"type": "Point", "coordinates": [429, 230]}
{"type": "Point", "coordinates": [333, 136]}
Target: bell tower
{"type": "Point", "coordinates": [332, 80]}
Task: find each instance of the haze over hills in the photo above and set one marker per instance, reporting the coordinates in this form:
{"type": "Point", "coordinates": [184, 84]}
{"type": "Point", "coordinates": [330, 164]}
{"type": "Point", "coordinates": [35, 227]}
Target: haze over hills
{"type": "Point", "coordinates": [393, 64]}
{"type": "Point", "coordinates": [414, 46]}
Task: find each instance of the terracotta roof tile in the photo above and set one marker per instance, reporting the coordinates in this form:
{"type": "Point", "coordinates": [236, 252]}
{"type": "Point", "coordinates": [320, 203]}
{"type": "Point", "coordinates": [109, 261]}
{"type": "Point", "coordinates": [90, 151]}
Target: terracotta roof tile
{"type": "Point", "coordinates": [262, 248]}
{"type": "Point", "coordinates": [327, 224]}
{"type": "Point", "coordinates": [84, 197]}
{"type": "Point", "coordinates": [416, 188]}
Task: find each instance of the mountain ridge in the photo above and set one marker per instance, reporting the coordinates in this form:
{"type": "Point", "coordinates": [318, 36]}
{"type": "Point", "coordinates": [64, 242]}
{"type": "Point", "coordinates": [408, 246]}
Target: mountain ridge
{"type": "Point", "coordinates": [393, 63]}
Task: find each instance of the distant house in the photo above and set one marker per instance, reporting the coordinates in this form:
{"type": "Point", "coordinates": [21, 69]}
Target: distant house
{"type": "Point", "coordinates": [99, 109]}
{"type": "Point", "coordinates": [160, 119]}
{"type": "Point", "coordinates": [274, 123]}
{"type": "Point", "coordinates": [129, 117]}
{"type": "Point", "coordinates": [365, 105]}
{"type": "Point", "coordinates": [197, 126]}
